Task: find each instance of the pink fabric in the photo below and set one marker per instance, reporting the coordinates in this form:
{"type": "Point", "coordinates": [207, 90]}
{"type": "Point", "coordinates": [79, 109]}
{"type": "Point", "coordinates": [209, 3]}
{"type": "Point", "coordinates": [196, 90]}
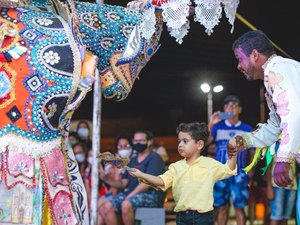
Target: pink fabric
{"type": "Point", "coordinates": [20, 164]}
{"type": "Point", "coordinates": [56, 168]}
{"type": "Point", "coordinates": [282, 104]}
{"type": "Point", "coordinates": [273, 79]}
{"type": "Point", "coordinates": [63, 210]}
{"type": "Point", "coordinates": [285, 136]}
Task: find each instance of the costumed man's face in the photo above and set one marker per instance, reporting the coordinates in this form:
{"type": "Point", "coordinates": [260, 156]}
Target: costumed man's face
{"type": "Point", "coordinates": [246, 65]}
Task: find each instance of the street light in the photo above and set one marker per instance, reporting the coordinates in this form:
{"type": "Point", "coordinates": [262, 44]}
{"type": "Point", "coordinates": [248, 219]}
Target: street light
{"type": "Point", "coordinates": [207, 90]}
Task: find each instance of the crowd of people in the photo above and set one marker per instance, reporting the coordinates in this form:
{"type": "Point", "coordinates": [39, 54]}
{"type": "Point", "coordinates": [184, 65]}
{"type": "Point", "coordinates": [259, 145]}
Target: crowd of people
{"type": "Point", "coordinates": [206, 183]}
{"type": "Point", "coordinates": [119, 193]}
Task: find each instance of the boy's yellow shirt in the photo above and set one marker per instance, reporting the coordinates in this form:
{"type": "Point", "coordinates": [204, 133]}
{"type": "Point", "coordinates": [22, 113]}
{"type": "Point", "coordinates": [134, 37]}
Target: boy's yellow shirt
{"type": "Point", "coordinates": [192, 185]}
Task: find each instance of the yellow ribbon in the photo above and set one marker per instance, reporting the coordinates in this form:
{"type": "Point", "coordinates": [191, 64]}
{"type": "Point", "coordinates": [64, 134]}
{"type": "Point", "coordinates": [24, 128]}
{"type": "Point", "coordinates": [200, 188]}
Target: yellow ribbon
{"type": "Point", "coordinates": [256, 157]}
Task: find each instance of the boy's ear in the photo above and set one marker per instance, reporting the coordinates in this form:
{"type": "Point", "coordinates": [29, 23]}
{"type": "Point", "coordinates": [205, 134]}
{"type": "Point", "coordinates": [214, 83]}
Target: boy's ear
{"type": "Point", "coordinates": [200, 144]}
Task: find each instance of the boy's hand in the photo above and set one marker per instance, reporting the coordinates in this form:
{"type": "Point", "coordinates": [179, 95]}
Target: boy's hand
{"type": "Point", "coordinates": [133, 172]}
{"type": "Point", "coordinates": [234, 146]}
{"type": "Point", "coordinates": [129, 169]}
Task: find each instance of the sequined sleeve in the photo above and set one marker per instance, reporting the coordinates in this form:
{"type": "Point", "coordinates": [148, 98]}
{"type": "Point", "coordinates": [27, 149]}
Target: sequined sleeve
{"type": "Point", "coordinates": [265, 134]}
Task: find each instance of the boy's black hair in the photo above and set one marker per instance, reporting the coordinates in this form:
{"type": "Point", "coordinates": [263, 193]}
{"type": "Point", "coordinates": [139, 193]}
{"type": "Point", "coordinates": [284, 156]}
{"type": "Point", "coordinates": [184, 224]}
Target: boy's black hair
{"type": "Point", "coordinates": [198, 131]}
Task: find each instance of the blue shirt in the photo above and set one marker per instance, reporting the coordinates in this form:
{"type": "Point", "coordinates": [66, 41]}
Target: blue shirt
{"type": "Point", "coordinates": [221, 133]}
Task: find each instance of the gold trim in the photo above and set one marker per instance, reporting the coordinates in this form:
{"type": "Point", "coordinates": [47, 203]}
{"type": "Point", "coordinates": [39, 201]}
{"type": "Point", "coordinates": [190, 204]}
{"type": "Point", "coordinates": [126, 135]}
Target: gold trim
{"type": "Point", "coordinates": [247, 141]}
{"type": "Point", "coordinates": [289, 158]}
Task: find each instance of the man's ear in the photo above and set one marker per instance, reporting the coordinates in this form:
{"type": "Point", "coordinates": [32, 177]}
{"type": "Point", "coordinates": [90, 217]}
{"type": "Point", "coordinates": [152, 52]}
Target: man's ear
{"type": "Point", "coordinates": [240, 109]}
{"type": "Point", "coordinates": [149, 143]}
{"type": "Point", "coordinates": [254, 55]}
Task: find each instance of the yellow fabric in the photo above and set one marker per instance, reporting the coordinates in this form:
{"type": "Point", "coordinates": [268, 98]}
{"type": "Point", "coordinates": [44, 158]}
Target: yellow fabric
{"type": "Point", "coordinates": [192, 185]}
{"type": "Point", "coordinates": [46, 213]}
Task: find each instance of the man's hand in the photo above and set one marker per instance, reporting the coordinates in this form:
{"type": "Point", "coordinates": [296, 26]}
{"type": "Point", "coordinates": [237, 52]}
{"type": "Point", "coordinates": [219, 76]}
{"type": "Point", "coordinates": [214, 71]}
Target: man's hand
{"type": "Point", "coordinates": [214, 119]}
{"type": "Point", "coordinates": [234, 146]}
{"type": "Point", "coordinates": [281, 174]}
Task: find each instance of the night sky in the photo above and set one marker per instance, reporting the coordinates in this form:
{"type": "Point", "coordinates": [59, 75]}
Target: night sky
{"type": "Point", "coordinates": [168, 91]}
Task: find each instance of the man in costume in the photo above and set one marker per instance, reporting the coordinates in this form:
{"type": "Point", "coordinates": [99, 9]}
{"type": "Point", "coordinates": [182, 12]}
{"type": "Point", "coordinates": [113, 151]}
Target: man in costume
{"type": "Point", "coordinates": [257, 60]}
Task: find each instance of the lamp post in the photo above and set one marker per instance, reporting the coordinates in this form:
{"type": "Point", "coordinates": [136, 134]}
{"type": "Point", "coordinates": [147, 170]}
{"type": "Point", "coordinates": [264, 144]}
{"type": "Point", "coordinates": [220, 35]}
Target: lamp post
{"type": "Point", "coordinates": [207, 90]}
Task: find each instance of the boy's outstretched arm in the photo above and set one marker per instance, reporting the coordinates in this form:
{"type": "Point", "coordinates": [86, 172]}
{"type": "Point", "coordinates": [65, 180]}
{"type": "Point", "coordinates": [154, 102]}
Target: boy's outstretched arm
{"type": "Point", "coordinates": [232, 162]}
{"type": "Point", "coordinates": [154, 180]}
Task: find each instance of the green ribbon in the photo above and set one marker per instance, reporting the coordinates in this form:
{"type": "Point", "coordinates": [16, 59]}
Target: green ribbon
{"type": "Point", "coordinates": [256, 157]}
{"type": "Point", "coordinates": [269, 159]}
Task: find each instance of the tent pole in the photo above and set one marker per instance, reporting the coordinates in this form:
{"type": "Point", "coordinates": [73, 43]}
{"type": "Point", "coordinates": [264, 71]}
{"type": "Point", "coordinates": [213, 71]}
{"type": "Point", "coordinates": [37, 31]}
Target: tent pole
{"type": "Point", "coordinates": [97, 100]}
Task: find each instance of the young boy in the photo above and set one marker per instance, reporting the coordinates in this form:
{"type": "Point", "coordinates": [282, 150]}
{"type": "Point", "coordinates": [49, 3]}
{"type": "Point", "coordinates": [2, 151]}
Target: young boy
{"type": "Point", "coordinates": [192, 178]}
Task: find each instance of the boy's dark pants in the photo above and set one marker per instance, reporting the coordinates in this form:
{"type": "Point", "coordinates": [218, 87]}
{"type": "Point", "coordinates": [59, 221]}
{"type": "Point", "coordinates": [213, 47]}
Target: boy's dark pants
{"type": "Point", "coordinates": [192, 217]}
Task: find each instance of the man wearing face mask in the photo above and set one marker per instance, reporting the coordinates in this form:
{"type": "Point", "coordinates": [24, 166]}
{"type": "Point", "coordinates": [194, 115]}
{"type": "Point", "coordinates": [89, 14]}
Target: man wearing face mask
{"type": "Point", "coordinates": [134, 194]}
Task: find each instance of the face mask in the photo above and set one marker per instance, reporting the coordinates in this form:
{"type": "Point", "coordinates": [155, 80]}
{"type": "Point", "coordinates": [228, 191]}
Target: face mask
{"type": "Point", "coordinates": [140, 147]}
{"type": "Point", "coordinates": [83, 132]}
{"type": "Point", "coordinates": [80, 157]}
{"type": "Point", "coordinates": [90, 160]}
{"type": "Point", "coordinates": [124, 153]}
{"type": "Point", "coordinates": [72, 143]}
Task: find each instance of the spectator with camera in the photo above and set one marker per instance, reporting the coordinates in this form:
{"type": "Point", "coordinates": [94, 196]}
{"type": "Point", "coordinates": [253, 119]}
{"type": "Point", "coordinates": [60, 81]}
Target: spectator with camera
{"type": "Point", "coordinates": [223, 126]}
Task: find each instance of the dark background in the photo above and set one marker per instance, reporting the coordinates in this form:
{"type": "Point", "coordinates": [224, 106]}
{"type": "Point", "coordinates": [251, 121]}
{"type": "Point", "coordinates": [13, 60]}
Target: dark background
{"type": "Point", "coordinates": [168, 91]}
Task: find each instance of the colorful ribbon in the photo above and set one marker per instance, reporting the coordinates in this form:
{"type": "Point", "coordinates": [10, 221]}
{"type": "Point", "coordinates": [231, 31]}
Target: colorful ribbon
{"type": "Point", "coordinates": [256, 157]}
